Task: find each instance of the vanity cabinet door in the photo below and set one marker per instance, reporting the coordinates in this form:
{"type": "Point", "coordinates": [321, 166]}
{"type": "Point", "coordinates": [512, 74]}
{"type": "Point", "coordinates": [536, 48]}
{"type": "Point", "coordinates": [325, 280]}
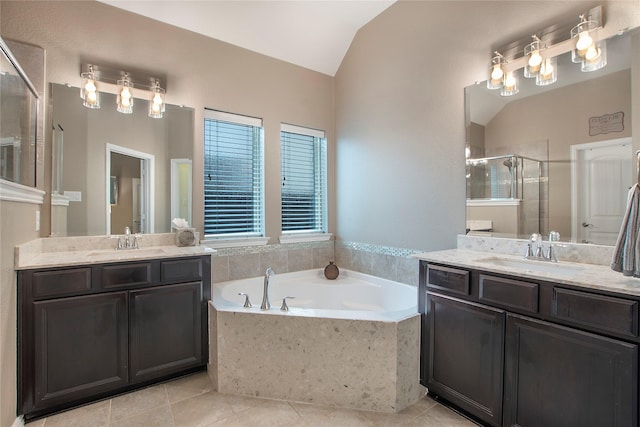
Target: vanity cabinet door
{"type": "Point", "coordinates": [166, 330]}
{"type": "Point", "coordinates": [559, 376]}
{"type": "Point", "coordinates": [80, 347]}
{"type": "Point", "coordinates": [465, 349]}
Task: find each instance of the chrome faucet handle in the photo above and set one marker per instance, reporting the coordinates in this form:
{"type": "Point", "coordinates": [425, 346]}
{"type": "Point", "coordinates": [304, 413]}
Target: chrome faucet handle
{"type": "Point", "coordinates": [535, 246]}
{"type": "Point", "coordinates": [554, 236]}
{"type": "Point", "coordinates": [529, 251]}
{"type": "Point", "coordinates": [247, 303]}
{"type": "Point", "coordinates": [284, 306]}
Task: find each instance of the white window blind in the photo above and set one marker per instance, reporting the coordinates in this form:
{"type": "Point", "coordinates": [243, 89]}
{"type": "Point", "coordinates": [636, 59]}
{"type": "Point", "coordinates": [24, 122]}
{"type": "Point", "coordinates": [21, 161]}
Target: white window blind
{"type": "Point", "coordinates": [233, 175]}
{"type": "Point", "coordinates": [304, 179]}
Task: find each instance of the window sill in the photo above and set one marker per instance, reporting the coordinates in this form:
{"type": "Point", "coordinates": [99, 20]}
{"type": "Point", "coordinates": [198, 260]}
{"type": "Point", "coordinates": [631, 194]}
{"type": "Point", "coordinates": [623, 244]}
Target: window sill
{"type": "Point", "coordinates": [305, 237]}
{"type": "Point", "coordinates": [235, 243]}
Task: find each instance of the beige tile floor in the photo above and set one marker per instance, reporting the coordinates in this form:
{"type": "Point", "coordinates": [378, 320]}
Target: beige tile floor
{"type": "Point", "coordinates": [191, 401]}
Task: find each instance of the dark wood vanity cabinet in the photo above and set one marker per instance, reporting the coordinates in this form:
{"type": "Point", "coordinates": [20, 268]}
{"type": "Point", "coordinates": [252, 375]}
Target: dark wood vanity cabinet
{"type": "Point", "coordinates": [89, 332]}
{"type": "Point", "coordinates": [516, 352]}
{"type": "Point", "coordinates": [465, 352]}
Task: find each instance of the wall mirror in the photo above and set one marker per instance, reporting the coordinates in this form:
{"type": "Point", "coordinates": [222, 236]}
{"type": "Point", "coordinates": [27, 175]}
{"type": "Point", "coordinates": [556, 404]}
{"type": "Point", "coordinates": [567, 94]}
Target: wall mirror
{"type": "Point", "coordinates": [18, 121]}
{"type": "Point", "coordinates": [114, 170]}
{"type": "Point", "coordinates": [556, 157]}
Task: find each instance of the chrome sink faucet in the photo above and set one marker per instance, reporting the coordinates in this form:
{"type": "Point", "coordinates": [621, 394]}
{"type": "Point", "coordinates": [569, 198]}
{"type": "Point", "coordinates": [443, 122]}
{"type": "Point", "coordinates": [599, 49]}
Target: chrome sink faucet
{"type": "Point", "coordinates": [126, 242]}
{"type": "Point", "coordinates": [265, 292]}
{"type": "Point", "coordinates": [535, 247]}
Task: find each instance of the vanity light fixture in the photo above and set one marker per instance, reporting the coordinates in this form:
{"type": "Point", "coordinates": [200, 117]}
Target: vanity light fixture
{"type": "Point", "coordinates": [539, 59]}
{"type": "Point", "coordinates": [496, 72]}
{"type": "Point", "coordinates": [510, 85]}
{"type": "Point", "coordinates": [156, 103]}
{"type": "Point", "coordinates": [124, 99]}
{"type": "Point", "coordinates": [89, 92]}
{"type": "Point", "coordinates": [124, 81]}
{"type": "Point", "coordinates": [592, 54]}
{"type": "Point", "coordinates": [534, 57]}
{"type": "Point", "coordinates": [548, 73]}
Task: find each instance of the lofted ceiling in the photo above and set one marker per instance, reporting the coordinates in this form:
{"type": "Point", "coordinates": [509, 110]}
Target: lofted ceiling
{"type": "Point", "coordinates": [314, 34]}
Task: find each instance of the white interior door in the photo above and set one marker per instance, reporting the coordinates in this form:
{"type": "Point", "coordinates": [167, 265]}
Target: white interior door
{"type": "Point", "coordinates": [144, 188]}
{"type": "Point", "coordinates": [137, 218]}
{"type": "Point", "coordinates": [602, 177]}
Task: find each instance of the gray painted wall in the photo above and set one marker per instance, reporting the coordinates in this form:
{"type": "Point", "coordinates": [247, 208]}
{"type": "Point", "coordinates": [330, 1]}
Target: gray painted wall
{"type": "Point", "coordinates": [400, 111]}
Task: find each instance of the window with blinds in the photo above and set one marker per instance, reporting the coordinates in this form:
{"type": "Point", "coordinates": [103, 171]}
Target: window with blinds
{"type": "Point", "coordinates": [233, 175]}
{"type": "Point", "coordinates": [304, 179]}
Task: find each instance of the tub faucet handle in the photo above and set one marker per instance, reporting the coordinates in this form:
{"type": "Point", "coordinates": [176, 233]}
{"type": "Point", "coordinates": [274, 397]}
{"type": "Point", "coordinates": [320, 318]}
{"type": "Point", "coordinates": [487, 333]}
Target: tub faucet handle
{"type": "Point", "coordinates": [284, 306]}
{"type": "Point", "coordinates": [247, 303]}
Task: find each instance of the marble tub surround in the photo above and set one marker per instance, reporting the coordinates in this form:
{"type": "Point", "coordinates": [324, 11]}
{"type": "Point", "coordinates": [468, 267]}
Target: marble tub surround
{"type": "Point", "coordinates": [336, 362]}
{"type": "Point", "coordinates": [252, 261]}
{"type": "Point", "coordinates": [395, 264]}
{"type": "Point", "coordinates": [57, 251]}
{"type": "Point", "coordinates": [565, 251]}
{"type": "Point", "coordinates": [591, 276]}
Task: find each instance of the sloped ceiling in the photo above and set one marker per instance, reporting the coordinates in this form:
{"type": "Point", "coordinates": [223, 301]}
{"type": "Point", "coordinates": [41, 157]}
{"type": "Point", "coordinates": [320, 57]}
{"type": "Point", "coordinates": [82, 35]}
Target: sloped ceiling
{"type": "Point", "coordinates": [314, 34]}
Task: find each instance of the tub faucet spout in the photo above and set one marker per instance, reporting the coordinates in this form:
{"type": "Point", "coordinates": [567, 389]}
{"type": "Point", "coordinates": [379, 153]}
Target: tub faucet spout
{"type": "Point", "coordinates": [265, 293]}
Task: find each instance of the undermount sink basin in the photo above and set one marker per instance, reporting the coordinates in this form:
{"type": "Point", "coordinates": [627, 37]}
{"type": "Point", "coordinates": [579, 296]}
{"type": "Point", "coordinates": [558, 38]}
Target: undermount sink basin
{"type": "Point", "coordinates": [534, 266]}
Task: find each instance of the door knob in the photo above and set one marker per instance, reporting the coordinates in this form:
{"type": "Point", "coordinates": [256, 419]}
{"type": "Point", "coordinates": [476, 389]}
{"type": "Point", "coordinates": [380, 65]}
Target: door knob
{"type": "Point", "coordinates": [586, 224]}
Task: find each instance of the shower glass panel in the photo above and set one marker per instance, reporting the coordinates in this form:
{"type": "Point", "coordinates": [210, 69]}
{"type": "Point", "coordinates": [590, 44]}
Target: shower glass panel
{"type": "Point", "coordinates": [503, 177]}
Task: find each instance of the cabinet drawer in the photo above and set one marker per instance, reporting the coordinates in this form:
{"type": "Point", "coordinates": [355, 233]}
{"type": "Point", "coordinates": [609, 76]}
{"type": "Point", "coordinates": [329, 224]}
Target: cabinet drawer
{"type": "Point", "coordinates": [130, 274]}
{"type": "Point", "coordinates": [449, 279]}
{"type": "Point", "coordinates": [508, 292]}
{"type": "Point", "coordinates": [181, 270]}
{"type": "Point", "coordinates": [596, 311]}
{"type": "Point", "coordinates": [56, 283]}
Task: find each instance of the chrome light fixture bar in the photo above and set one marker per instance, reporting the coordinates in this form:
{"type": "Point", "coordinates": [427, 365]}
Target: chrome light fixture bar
{"type": "Point", "coordinates": [93, 75]}
{"type": "Point", "coordinates": [538, 58]}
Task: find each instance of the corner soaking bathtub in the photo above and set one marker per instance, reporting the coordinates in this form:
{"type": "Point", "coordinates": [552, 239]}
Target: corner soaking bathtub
{"type": "Point", "coordinates": [352, 295]}
{"type": "Point", "coordinates": [350, 342]}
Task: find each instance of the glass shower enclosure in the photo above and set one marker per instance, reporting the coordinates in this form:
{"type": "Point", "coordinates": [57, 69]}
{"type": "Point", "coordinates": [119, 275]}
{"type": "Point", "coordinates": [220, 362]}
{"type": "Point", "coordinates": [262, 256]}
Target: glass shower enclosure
{"type": "Point", "coordinates": [504, 194]}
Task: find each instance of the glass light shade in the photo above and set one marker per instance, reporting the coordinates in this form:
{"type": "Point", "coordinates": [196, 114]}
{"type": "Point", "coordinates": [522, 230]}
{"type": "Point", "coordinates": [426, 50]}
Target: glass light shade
{"type": "Point", "coordinates": [534, 61]}
{"type": "Point", "coordinates": [510, 85]}
{"type": "Point", "coordinates": [124, 99]}
{"type": "Point", "coordinates": [582, 36]}
{"type": "Point", "coordinates": [89, 92]}
{"type": "Point", "coordinates": [548, 73]}
{"type": "Point", "coordinates": [156, 103]}
{"type": "Point", "coordinates": [496, 72]}
{"type": "Point", "coordinates": [595, 57]}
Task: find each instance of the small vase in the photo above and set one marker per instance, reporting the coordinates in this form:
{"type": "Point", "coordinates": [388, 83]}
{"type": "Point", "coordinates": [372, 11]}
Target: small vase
{"type": "Point", "coordinates": [331, 271]}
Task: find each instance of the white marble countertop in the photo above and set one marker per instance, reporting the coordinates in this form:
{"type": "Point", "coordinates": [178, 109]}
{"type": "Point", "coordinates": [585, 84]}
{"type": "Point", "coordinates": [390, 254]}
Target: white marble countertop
{"type": "Point", "coordinates": [589, 276]}
{"type": "Point", "coordinates": [59, 252]}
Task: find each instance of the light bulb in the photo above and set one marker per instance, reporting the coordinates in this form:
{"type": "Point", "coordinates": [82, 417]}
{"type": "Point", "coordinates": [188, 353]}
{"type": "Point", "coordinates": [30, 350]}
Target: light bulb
{"type": "Point", "coordinates": [91, 96]}
{"type": "Point", "coordinates": [584, 40]}
{"type": "Point", "coordinates": [509, 81]}
{"type": "Point", "coordinates": [535, 59]}
{"type": "Point", "coordinates": [583, 43]}
{"type": "Point", "coordinates": [497, 72]}
{"type": "Point", "coordinates": [155, 107]}
{"type": "Point", "coordinates": [157, 99]}
{"type": "Point", "coordinates": [125, 101]}
{"type": "Point", "coordinates": [546, 69]}
{"type": "Point", "coordinates": [125, 93]}
{"type": "Point", "coordinates": [592, 54]}
{"type": "Point", "coordinates": [90, 86]}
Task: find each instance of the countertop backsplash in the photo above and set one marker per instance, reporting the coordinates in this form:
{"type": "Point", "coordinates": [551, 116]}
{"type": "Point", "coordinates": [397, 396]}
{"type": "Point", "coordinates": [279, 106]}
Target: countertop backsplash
{"type": "Point", "coordinates": [565, 251]}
